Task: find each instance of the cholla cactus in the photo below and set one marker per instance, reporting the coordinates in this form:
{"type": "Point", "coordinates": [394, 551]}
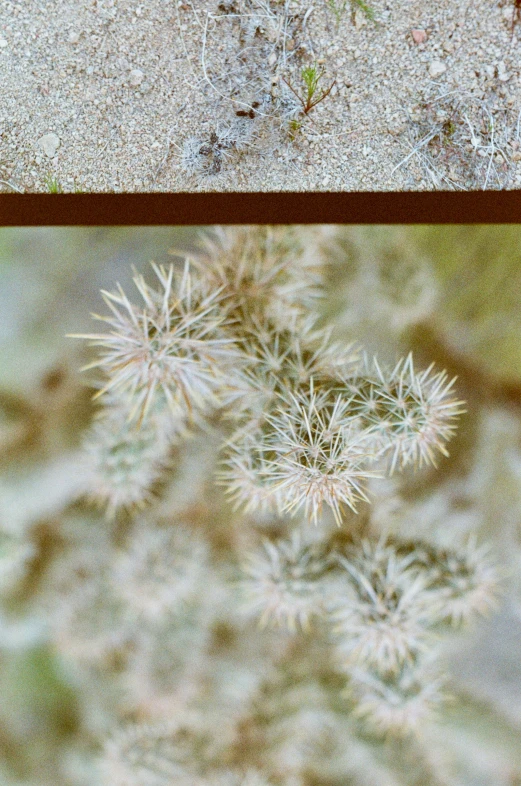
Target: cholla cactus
{"type": "Point", "coordinates": [383, 604]}
{"type": "Point", "coordinates": [160, 570]}
{"type": "Point", "coordinates": [244, 615]}
{"type": "Point", "coordinates": [314, 423]}
{"type": "Point", "coordinates": [398, 704]}
{"type": "Point", "coordinates": [171, 349]}
{"type": "Point", "coordinates": [384, 626]}
{"type": "Point", "coordinates": [305, 454]}
{"type": "Point", "coordinates": [272, 273]}
{"type": "Point", "coordinates": [146, 755]}
{"type": "Point", "coordinates": [408, 414]}
{"type": "Point", "coordinates": [124, 460]}
{"type": "Point", "coordinates": [283, 583]}
{"type": "Point", "coordinates": [465, 581]}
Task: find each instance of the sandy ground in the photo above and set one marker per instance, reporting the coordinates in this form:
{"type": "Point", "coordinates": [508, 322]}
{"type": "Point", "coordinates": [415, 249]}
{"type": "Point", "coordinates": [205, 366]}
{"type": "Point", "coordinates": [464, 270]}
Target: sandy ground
{"type": "Point", "coordinates": [102, 95]}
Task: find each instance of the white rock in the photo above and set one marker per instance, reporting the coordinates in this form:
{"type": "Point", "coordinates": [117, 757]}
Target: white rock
{"type": "Point", "coordinates": [74, 37]}
{"type": "Point", "coordinates": [437, 68]}
{"type": "Point", "coordinates": [502, 73]}
{"type": "Point", "coordinates": [49, 143]}
{"type": "Point", "coordinates": [3, 43]}
{"type": "Point", "coordinates": [136, 77]}
{"type": "Point", "coordinates": [360, 18]}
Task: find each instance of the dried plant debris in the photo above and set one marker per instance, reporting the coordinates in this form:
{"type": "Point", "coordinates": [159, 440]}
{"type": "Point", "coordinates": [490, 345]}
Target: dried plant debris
{"type": "Point", "coordinates": [264, 84]}
{"type": "Point", "coordinates": [461, 143]}
{"type": "Point", "coordinates": [205, 156]}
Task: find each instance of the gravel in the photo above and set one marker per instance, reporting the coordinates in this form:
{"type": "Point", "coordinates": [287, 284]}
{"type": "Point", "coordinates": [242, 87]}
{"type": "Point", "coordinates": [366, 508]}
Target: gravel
{"type": "Point", "coordinates": [101, 95]}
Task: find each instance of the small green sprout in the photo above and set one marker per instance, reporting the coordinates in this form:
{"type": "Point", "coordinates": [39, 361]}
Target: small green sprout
{"type": "Point", "coordinates": [53, 185]}
{"type": "Point", "coordinates": [449, 127]}
{"type": "Point", "coordinates": [368, 11]}
{"type": "Point", "coordinates": [313, 95]}
{"type": "Point", "coordinates": [338, 8]}
{"type": "Point", "coordinates": [294, 128]}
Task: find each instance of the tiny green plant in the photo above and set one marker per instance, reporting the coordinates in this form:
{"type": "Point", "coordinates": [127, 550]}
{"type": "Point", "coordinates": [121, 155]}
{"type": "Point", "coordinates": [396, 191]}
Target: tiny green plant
{"type": "Point", "coordinates": [294, 128]}
{"type": "Point", "coordinates": [337, 8]}
{"type": "Point", "coordinates": [368, 11]}
{"type": "Point", "coordinates": [448, 130]}
{"type": "Point", "coordinates": [313, 94]}
{"type": "Point", "coordinates": [53, 185]}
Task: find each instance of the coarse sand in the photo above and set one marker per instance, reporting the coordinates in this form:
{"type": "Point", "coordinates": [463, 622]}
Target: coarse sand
{"type": "Point", "coordinates": [105, 95]}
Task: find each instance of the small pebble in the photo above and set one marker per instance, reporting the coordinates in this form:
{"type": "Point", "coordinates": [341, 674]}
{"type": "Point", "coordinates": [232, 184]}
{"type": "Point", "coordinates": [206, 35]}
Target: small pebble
{"type": "Point", "coordinates": [49, 143]}
{"type": "Point", "coordinates": [502, 73]}
{"type": "Point", "coordinates": [136, 77]}
{"type": "Point", "coordinates": [3, 43]}
{"type": "Point", "coordinates": [74, 37]}
{"type": "Point", "coordinates": [437, 68]}
{"type": "Point", "coordinates": [419, 36]}
{"type": "Point", "coordinates": [360, 18]}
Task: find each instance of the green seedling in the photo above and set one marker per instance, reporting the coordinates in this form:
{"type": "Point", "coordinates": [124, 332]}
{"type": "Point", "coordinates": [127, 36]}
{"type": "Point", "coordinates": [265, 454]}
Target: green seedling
{"type": "Point", "coordinates": [338, 8]}
{"type": "Point", "coordinates": [449, 127]}
{"type": "Point", "coordinates": [313, 94]}
{"type": "Point", "coordinates": [368, 11]}
{"type": "Point", "coordinates": [294, 129]}
{"type": "Point", "coordinates": [53, 185]}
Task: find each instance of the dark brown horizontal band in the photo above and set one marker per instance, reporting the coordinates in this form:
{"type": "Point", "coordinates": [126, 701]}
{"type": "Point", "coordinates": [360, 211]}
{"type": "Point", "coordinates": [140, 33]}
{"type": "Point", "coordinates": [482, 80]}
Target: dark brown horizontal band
{"type": "Point", "coordinates": [476, 207]}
